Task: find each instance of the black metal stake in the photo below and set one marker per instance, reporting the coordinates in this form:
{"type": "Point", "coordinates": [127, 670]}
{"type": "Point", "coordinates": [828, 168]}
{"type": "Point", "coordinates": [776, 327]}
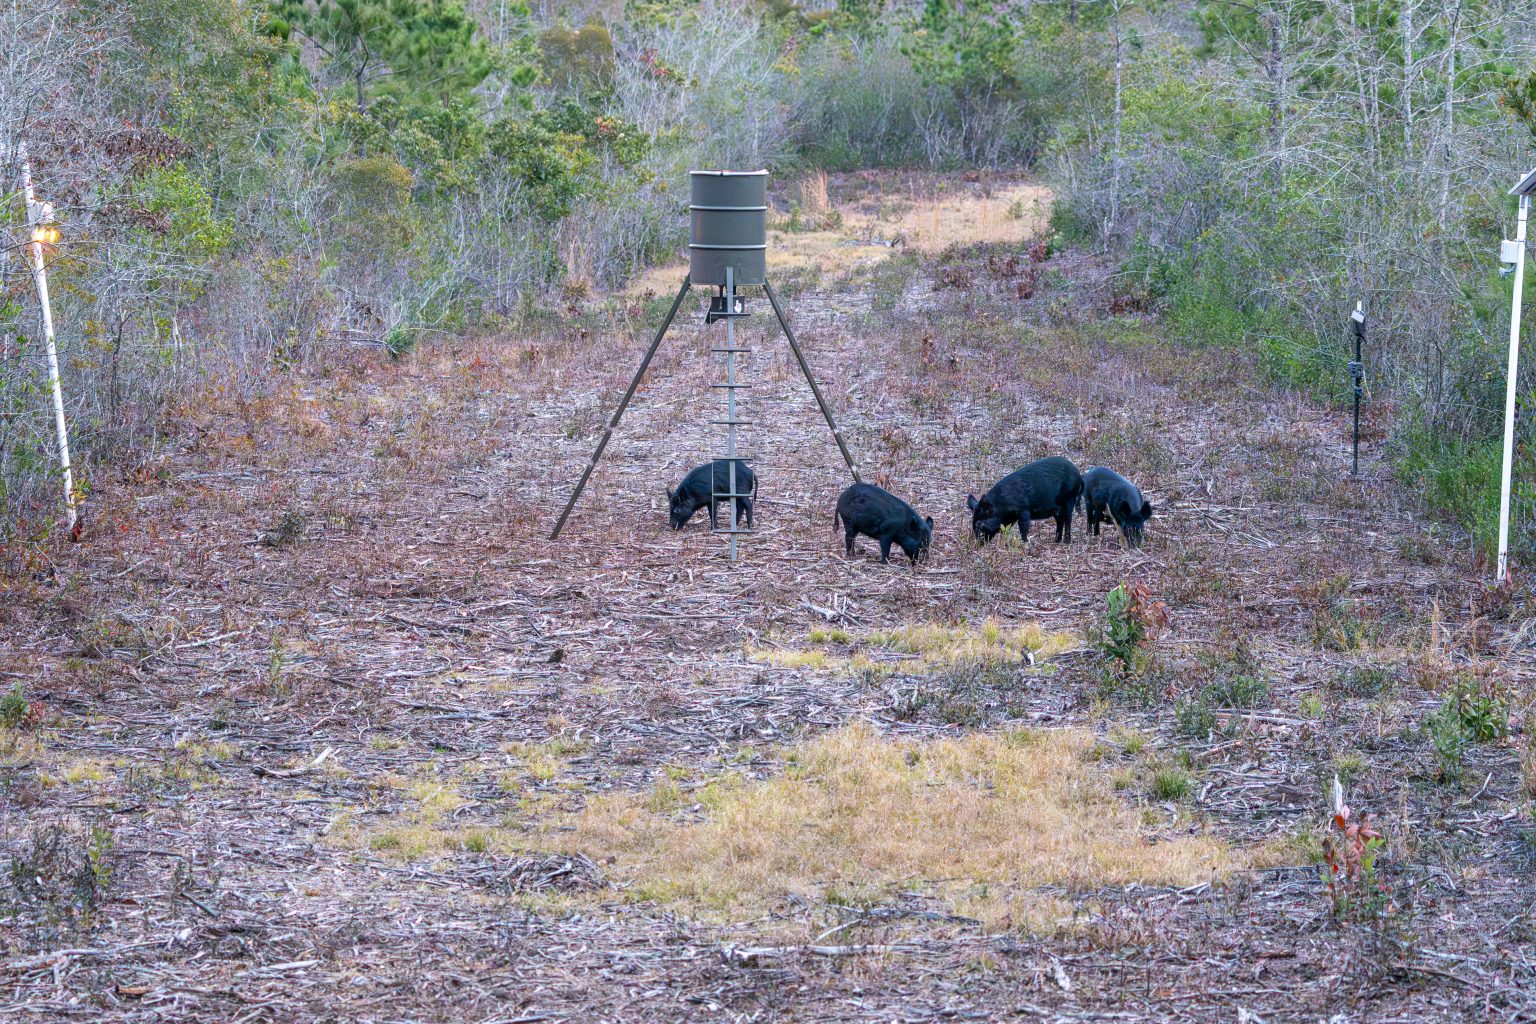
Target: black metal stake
{"type": "Point", "coordinates": [805, 367]}
{"type": "Point", "coordinates": [623, 404]}
{"type": "Point", "coordinates": [1357, 373]}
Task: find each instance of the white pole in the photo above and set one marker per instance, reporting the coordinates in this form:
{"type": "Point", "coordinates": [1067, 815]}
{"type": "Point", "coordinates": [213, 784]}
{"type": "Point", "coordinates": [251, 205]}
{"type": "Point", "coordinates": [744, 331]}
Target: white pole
{"type": "Point", "coordinates": [1509, 388]}
{"type": "Point", "coordinates": [37, 218]}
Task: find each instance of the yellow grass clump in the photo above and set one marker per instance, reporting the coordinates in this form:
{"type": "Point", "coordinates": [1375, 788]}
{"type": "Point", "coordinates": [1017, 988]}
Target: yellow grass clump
{"type": "Point", "coordinates": [853, 810]}
{"type": "Point", "coordinates": [921, 648]}
{"type": "Point", "coordinates": [988, 641]}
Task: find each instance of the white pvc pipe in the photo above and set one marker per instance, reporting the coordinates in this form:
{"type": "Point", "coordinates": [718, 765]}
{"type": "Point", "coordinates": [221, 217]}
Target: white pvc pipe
{"type": "Point", "coordinates": [1509, 389]}
{"type": "Point", "coordinates": [35, 221]}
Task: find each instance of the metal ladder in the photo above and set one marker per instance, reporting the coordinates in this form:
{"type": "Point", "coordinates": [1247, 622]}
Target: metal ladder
{"type": "Point", "coordinates": [731, 422]}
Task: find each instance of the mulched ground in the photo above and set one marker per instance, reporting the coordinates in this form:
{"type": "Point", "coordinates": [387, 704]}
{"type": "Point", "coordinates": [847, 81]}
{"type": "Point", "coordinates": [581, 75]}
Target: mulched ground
{"type": "Point", "coordinates": [350, 580]}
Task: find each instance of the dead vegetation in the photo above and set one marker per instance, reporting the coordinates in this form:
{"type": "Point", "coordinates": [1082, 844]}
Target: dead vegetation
{"type": "Point", "coordinates": [982, 823]}
{"type": "Point", "coordinates": [416, 762]}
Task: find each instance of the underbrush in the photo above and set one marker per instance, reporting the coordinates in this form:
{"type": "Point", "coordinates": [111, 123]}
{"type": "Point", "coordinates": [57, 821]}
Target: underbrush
{"type": "Point", "coordinates": [1203, 304]}
{"type": "Point", "coordinates": [1460, 479]}
{"type": "Point", "coordinates": [56, 877]}
{"type": "Point", "coordinates": [1452, 457]}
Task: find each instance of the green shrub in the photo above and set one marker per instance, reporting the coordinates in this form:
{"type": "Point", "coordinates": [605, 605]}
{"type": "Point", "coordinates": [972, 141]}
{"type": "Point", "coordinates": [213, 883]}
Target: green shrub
{"type": "Point", "coordinates": [1484, 713]}
{"type": "Point", "coordinates": [1469, 714]}
{"type": "Point", "coordinates": [1072, 219]}
{"type": "Point", "coordinates": [580, 60]}
{"type": "Point", "coordinates": [1195, 718]}
{"type": "Point", "coordinates": [1124, 630]}
{"type": "Point", "coordinates": [1365, 680]}
{"type": "Point", "coordinates": [1448, 738]}
{"type": "Point", "coordinates": [1171, 784]}
{"type": "Point", "coordinates": [58, 875]}
{"type": "Point", "coordinates": [1237, 691]}
{"type": "Point", "coordinates": [14, 708]}
{"type": "Point", "coordinates": [1123, 637]}
{"type": "Point", "coordinates": [1207, 301]}
{"type": "Point", "coordinates": [401, 341]}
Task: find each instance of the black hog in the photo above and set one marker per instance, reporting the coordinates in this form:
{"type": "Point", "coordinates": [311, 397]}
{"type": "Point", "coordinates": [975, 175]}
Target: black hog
{"type": "Point", "coordinates": [1108, 495]}
{"type": "Point", "coordinates": [877, 513]}
{"type": "Point", "coordinates": [1046, 487]}
{"type": "Point", "coordinates": [694, 493]}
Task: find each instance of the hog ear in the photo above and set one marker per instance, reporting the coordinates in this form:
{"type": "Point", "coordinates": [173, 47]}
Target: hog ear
{"type": "Point", "coordinates": [670, 492]}
{"type": "Point", "coordinates": [929, 521]}
{"type": "Point", "coordinates": [970, 502]}
{"type": "Point", "coordinates": [1146, 510]}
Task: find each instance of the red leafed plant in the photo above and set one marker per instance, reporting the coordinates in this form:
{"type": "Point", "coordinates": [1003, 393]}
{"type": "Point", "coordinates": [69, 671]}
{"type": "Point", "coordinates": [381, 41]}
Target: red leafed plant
{"type": "Point", "coordinates": [1131, 620]}
{"type": "Point", "coordinates": [1349, 858]}
{"type": "Point", "coordinates": [660, 69]}
{"type": "Point", "coordinates": [1153, 614]}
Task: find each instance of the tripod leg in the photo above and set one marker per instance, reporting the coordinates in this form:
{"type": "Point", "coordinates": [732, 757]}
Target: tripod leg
{"type": "Point", "coordinates": [805, 367]}
{"type": "Point", "coordinates": [623, 404]}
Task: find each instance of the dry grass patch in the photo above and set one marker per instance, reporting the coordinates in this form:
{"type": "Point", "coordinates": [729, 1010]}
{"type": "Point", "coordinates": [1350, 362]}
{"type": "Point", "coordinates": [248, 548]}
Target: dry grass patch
{"type": "Point", "coordinates": [424, 821]}
{"type": "Point", "coordinates": [989, 641]}
{"type": "Point", "coordinates": [919, 649]}
{"type": "Point", "coordinates": [19, 747]}
{"type": "Point", "coordinates": [829, 238]}
{"type": "Point", "coordinates": [852, 809]}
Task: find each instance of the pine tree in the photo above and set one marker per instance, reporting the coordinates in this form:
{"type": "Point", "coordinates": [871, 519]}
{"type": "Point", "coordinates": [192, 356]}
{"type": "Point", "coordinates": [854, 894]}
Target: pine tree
{"type": "Point", "coordinates": [421, 49]}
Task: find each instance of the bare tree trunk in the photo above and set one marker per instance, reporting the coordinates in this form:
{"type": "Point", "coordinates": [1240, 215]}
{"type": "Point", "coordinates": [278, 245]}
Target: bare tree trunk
{"type": "Point", "coordinates": [1114, 160]}
{"type": "Point", "coordinates": [1364, 66]}
{"type": "Point", "coordinates": [1407, 22]}
{"type": "Point", "coordinates": [1273, 72]}
{"type": "Point", "coordinates": [1448, 126]}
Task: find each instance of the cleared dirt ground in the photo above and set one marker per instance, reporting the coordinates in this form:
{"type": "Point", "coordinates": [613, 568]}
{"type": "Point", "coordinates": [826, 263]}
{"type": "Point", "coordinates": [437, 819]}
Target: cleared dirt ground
{"type": "Point", "coordinates": [322, 727]}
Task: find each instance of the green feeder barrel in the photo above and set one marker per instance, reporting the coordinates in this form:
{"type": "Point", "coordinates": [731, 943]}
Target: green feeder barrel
{"type": "Point", "coordinates": [728, 212]}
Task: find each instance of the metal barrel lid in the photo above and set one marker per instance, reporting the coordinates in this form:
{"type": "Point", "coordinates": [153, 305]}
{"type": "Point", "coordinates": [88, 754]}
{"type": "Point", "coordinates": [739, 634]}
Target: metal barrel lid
{"type": "Point", "coordinates": [728, 190]}
{"type": "Point", "coordinates": [740, 185]}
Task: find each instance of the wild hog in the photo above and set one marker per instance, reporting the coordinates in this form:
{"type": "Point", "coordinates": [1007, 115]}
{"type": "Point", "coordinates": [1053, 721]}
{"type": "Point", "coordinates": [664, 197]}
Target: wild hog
{"type": "Point", "coordinates": [1046, 487]}
{"type": "Point", "coordinates": [1108, 495]}
{"type": "Point", "coordinates": [694, 493]}
{"type": "Point", "coordinates": [877, 513]}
